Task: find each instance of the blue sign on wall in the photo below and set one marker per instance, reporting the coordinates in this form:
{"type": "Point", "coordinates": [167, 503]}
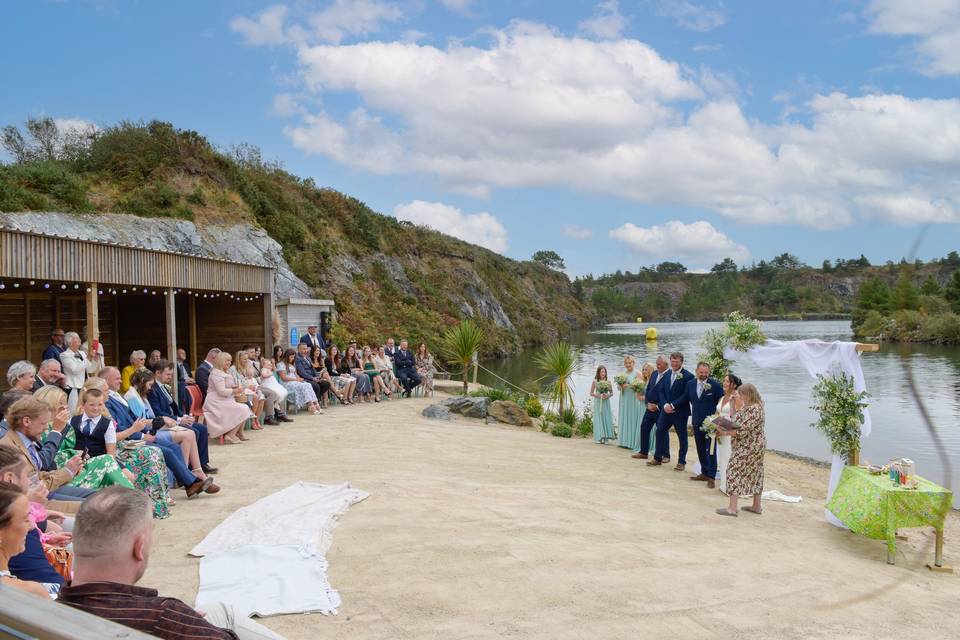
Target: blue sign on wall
{"type": "Point", "coordinates": [294, 336]}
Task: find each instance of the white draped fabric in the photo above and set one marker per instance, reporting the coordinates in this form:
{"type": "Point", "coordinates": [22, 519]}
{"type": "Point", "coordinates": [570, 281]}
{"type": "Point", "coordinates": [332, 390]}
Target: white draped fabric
{"type": "Point", "coordinates": [268, 558]}
{"type": "Point", "coordinates": [817, 357]}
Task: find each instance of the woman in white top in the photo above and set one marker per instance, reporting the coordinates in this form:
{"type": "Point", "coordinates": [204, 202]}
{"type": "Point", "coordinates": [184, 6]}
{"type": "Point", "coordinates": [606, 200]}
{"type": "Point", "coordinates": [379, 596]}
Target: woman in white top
{"type": "Point", "coordinates": [76, 367]}
{"type": "Point", "coordinates": [726, 409]}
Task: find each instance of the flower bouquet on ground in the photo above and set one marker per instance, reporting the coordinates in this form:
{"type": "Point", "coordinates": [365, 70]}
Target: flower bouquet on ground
{"type": "Point", "coordinates": [603, 387]}
{"type": "Point", "coordinates": [620, 379]}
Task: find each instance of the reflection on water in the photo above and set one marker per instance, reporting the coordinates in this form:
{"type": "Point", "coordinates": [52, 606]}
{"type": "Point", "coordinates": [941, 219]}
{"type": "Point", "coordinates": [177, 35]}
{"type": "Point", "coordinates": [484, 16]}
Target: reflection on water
{"type": "Point", "coordinates": [897, 429]}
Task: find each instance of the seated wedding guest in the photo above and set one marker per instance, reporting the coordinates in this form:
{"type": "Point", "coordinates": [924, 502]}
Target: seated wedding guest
{"type": "Point", "coordinates": [223, 414]}
{"type": "Point", "coordinates": [145, 464]}
{"type": "Point", "coordinates": [202, 373]}
{"type": "Point", "coordinates": [112, 541]}
{"type": "Point", "coordinates": [153, 358]}
{"type": "Point", "coordinates": [164, 429]}
{"type": "Point", "coordinates": [302, 391]}
{"type": "Point", "coordinates": [273, 402]}
{"type": "Point", "coordinates": [28, 419]}
{"type": "Point", "coordinates": [704, 393]}
{"type": "Point", "coordinates": [132, 427]}
{"type": "Point", "coordinates": [163, 405]}
{"type": "Point", "coordinates": [406, 367]}
{"type": "Point", "coordinates": [745, 470]}
{"type": "Point", "coordinates": [278, 353]}
{"type": "Point", "coordinates": [57, 345]}
{"type": "Point", "coordinates": [306, 371]}
{"type": "Point", "coordinates": [21, 374]}
{"type": "Point", "coordinates": [93, 473]}
{"type": "Point", "coordinates": [424, 365]}
{"type": "Point", "coordinates": [49, 373]}
{"type": "Point", "coordinates": [373, 372]}
{"type": "Point", "coordinates": [385, 366]}
{"type": "Point", "coordinates": [7, 399]}
{"type": "Point", "coordinates": [76, 368]}
{"type": "Point", "coordinates": [355, 363]}
{"type": "Point", "coordinates": [138, 360]}
{"type": "Point", "coordinates": [313, 339]}
{"type": "Point", "coordinates": [316, 355]}
{"type": "Point", "coordinates": [249, 384]}
{"type": "Point", "coordinates": [390, 350]}
{"type": "Point", "coordinates": [270, 384]}
{"type": "Point", "coordinates": [341, 382]}
{"type": "Point", "coordinates": [20, 542]}
{"type": "Point", "coordinates": [183, 371]}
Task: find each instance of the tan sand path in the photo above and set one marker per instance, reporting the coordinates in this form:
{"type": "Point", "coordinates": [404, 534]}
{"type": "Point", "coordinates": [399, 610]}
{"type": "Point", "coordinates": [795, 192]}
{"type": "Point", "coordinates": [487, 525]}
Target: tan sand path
{"type": "Point", "coordinates": [476, 531]}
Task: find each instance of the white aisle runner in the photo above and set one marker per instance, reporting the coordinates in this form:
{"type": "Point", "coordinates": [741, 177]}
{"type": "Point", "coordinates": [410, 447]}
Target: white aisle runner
{"type": "Point", "coordinates": [268, 558]}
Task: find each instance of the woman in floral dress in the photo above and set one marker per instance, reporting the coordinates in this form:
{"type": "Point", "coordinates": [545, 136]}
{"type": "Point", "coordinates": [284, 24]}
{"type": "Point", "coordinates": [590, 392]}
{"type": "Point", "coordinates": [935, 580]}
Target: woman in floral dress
{"type": "Point", "coordinates": [96, 473]}
{"type": "Point", "coordinates": [425, 369]}
{"type": "Point", "coordinates": [745, 469]}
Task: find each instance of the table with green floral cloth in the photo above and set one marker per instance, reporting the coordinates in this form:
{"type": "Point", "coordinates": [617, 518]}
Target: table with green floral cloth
{"type": "Point", "coordinates": [873, 506]}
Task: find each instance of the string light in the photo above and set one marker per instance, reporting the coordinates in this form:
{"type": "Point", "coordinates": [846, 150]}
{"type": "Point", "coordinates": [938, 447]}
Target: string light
{"type": "Point", "coordinates": [16, 285]}
{"type": "Point", "coordinates": [46, 285]}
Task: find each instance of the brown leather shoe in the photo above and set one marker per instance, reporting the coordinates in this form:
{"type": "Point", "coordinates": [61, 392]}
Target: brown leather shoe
{"type": "Point", "coordinates": [639, 456]}
{"type": "Point", "coordinates": [710, 483]}
{"type": "Point", "coordinates": [679, 467]}
{"type": "Point", "coordinates": [198, 487]}
{"type": "Point", "coordinates": [213, 488]}
{"type": "Point", "coordinates": [654, 463]}
{"type": "Point", "coordinates": [700, 478]}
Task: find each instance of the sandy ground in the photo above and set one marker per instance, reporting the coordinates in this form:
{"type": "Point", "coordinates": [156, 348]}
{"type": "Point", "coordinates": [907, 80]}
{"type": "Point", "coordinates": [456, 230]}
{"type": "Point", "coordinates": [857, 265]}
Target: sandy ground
{"type": "Point", "coordinates": [476, 531]}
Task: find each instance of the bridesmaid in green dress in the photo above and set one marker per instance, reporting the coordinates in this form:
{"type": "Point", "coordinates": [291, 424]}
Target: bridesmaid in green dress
{"type": "Point", "coordinates": [630, 408]}
{"type": "Point", "coordinates": [600, 391]}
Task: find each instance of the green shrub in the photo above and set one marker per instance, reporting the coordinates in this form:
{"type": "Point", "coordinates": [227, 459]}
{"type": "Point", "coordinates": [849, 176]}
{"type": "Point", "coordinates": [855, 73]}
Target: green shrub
{"type": "Point", "coordinates": [155, 200]}
{"type": "Point", "coordinates": [197, 197]}
{"type": "Point", "coordinates": [585, 427]}
{"type": "Point", "coordinates": [569, 416]}
{"type": "Point", "coordinates": [494, 393]}
{"type": "Point", "coordinates": [534, 407]}
{"type": "Point", "coordinates": [48, 178]}
{"type": "Point", "coordinates": [943, 328]}
{"type": "Point", "coordinates": [561, 430]}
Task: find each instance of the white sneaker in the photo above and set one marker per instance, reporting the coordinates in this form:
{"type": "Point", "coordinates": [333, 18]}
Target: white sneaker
{"type": "Point", "coordinates": [318, 412]}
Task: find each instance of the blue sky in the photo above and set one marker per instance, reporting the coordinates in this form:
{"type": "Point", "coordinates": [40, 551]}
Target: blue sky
{"type": "Point", "coordinates": [619, 134]}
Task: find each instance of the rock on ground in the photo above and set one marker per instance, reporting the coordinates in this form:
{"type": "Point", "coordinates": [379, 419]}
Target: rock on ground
{"type": "Point", "coordinates": [509, 412]}
{"type": "Point", "coordinates": [468, 406]}
{"type": "Point", "coordinates": [437, 412]}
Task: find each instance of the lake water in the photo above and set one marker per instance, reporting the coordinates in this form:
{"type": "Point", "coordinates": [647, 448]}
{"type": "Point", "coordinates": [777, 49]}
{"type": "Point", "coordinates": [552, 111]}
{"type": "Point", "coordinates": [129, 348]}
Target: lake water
{"type": "Point", "coordinates": [897, 429]}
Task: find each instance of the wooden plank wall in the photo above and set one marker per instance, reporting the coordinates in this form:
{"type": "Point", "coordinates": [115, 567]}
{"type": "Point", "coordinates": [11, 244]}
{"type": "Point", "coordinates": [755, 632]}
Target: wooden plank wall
{"type": "Point", "coordinates": [228, 324]}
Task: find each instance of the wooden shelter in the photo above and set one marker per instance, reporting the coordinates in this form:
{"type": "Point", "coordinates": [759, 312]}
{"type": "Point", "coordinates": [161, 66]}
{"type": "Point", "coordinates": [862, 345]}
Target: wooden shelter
{"type": "Point", "coordinates": [129, 297]}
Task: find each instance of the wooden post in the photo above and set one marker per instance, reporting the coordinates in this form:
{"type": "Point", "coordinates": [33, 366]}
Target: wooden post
{"type": "Point", "coordinates": [268, 323]}
{"type": "Point", "coordinates": [26, 326]}
{"type": "Point", "coordinates": [171, 309]}
{"type": "Point", "coordinates": [863, 347]}
{"type": "Point", "coordinates": [192, 321]}
{"type": "Point", "coordinates": [93, 322]}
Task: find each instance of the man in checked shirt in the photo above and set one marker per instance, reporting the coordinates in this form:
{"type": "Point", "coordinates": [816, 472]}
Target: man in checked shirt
{"type": "Point", "coordinates": [112, 538]}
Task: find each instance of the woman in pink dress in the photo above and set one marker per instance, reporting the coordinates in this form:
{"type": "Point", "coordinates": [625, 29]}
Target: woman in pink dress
{"type": "Point", "coordinates": [224, 415]}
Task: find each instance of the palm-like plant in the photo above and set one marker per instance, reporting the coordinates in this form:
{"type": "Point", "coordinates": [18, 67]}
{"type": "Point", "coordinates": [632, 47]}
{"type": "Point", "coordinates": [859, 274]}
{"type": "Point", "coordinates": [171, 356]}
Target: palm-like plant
{"type": "Point", "coordinates": [459, 344]}
{"type": "Point", "coordinates": [559, 361]}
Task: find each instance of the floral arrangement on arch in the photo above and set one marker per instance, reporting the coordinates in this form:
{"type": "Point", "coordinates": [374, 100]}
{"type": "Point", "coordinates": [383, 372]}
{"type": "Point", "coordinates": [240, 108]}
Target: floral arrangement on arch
{"type": "Point", "coordinates": [740, 332]}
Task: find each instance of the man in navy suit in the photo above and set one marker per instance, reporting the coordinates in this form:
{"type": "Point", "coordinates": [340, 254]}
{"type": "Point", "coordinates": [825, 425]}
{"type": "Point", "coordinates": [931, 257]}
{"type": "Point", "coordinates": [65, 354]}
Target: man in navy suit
{"type": "Point", "coordinates": [164, 407]}
{"type": "Point", "coordinates": [202, 375]}
{"type": "Point", "coordinates": [56, 346]}
{"type": "Point", "coordinates": [649, 420]}
{"type": "Point", "coordinates": [704, 393]}
{"type": "Point", "coordinates": [306, 371]}
{"type": "Point", "coordinates": [674, 411]}
{"type": "Point", "coordinates": [313, 339]}
{"type": "Point", "coordinates": [405, 365]}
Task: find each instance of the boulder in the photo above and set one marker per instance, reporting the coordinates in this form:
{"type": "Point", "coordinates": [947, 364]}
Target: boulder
{"type": "Point", "coordinates": [490, 420]}
{"type": "Point", "coordinates": [437, 412]}
{"type": "Point", "coordinates": [468, 406]}
{"type": "Point", "coordinates": [510, 412]}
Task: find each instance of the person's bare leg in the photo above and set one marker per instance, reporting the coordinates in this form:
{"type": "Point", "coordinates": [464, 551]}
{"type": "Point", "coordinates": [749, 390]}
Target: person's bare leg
{"type": "Point", "coordinates": [732, 508]}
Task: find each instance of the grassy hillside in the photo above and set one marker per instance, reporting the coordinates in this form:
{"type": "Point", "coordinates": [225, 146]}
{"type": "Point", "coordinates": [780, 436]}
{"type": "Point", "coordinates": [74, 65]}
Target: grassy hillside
{"type": "Point", "coordinates": [386, 276]}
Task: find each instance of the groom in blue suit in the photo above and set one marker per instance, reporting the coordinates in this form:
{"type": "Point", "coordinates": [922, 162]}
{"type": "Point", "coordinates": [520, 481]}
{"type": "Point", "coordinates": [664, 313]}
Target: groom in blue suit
{"type": "Point", "coordinates": [674, 411]}
{"type": "Point", "coordinates": [704, 393]}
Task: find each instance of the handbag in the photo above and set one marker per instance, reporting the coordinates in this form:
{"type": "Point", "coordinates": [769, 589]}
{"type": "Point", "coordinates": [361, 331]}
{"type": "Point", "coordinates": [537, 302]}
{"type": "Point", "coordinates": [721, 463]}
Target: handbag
{"type": "Point", "coordinates": [61, 560]}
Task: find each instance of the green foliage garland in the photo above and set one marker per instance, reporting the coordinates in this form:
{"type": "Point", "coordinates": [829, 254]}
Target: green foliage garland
{"type": "Point", "coordinates": [740, 333]}
{"type": "Point", "coordinates": [840, 409]}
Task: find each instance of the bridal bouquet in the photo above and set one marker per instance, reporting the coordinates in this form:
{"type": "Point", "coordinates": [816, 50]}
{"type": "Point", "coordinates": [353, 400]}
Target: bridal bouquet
{"type": "Point", "coordinates": [709, 425]}
{"type": "Point", "coordinates": [620, 378]}
{"type": "Point", "coordinates": [603, 387]}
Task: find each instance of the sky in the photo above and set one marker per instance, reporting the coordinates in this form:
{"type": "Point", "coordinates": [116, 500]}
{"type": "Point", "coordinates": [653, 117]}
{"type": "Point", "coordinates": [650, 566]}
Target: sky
{"type": "Point", "coordinates": [617, 133]}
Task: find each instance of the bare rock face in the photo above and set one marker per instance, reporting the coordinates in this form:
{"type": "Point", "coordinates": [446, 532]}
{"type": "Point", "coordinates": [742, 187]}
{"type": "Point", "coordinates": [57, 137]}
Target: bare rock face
{"type": "Point", "coordinates": [468, 406]}
{"type": "Point", "coordinates": [509, 412]}
{"type": "Point", "coordinates": [437, 412]}
{"type": "Point", "coordinates": [237, 243]}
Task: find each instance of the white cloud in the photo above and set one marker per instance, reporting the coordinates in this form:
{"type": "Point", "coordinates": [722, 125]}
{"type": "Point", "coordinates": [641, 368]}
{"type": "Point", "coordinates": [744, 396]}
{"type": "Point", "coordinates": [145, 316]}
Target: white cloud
{"type": "Point", "coordinates": [266, 29]}
{"type": "Point", "coordinates": [576, 232]}
{"type": "Point", "coordinates": [935, 25]}
{"type": "Point", "coordinates": [75, 126]}
{"type": "Point", "coordinates": [459, 6]}
{"type": "Point", "coordinates": [707, 48]}
{"type": "Point", "coordinates": [697, 242]}
{"type": "Point", "coordinates": [607, 22]}
{"type": "Point", "coordinates": [352, 18]}
{"type": "Point", "coordinates": [478, 228]}
{"type": "Point", "coordinates": [691, 15]}
{"type": "Point", "coordinates": [536, 108]}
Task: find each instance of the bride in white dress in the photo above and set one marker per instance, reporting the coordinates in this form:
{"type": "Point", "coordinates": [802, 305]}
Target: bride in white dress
{"type": "Point", "coordinates": [726, 409]}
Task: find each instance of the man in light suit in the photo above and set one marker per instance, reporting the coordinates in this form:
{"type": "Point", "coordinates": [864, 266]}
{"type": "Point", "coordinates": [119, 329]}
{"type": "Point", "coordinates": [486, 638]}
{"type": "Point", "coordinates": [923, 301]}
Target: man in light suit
{"type": "Point", "coordinates": [203, 370]}
{"type": "Point", "coordinates": [649, 420]}
{"type": "Point", "coordinates": [704, 393]}
{"type": "Point", "coordinates": [313, 339]}
{"type": "Point", "coordinates": [674, 410]}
